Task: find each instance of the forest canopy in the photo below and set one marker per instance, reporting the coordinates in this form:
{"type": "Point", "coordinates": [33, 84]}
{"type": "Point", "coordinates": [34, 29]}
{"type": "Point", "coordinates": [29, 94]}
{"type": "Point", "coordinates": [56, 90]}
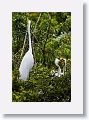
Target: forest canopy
{"type": "Point", "coordinates": [51, 38]}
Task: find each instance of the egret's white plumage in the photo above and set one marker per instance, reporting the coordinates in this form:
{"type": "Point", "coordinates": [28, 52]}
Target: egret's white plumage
{"type": "Point", "coordinates": [57, 63]}
{"type": "Point", "coordinates": [28, 60]}
{"type": "Point", "coordinates": [59, 70]}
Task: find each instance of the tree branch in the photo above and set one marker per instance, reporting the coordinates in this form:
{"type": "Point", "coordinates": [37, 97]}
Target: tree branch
{"type": "Point", "coordinates": [46, 39]}
{"type": "Point", "coordinates": [23, 46]}
{"type": "Point", "coordinates": [34, 36]}
{"type": "Point", "coordinates": [37, 23]}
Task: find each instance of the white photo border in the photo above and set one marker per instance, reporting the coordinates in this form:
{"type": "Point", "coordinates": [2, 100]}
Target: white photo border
{"type": "Point", "coordinates": [76, 104]}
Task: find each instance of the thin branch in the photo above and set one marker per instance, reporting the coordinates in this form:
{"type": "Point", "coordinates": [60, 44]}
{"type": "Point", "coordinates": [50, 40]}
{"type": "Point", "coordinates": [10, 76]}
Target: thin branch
{"type": "Point", "coordinates": [37, 23]}
{"type": "Point", "coordinates": [48, 29]}
{"type": "Point", "coordinates": [19, 33]}
{"type": "Point", "coordinates": [23, 46]}
{"type": "Point", "coordinates": [34, 31]}
{"type": "Point", "coordinates": [36, 40]}
{"type": "Point", "coordinates": [17, 52]}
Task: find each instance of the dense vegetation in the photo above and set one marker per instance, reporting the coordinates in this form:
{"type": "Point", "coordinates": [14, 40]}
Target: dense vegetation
{"type": "Point", "coordinates": [51, 38]}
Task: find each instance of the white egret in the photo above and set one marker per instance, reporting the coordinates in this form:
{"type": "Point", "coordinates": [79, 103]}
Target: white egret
{"type": "Point", "coordinates": [28, 60]}
{"type": "Point", "coordinates": [59, 69]}
{"type": "Point", "coordinates": [61, 64]}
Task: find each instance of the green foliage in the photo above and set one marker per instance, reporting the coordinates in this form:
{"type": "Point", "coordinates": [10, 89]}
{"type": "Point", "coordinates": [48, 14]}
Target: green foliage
{"type": "Point", "coordinates": [41, 86]}
{"type": "Point", "coordinates": [52, 40]}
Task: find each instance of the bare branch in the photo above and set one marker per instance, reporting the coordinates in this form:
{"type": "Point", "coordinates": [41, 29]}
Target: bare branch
{"type": "Point", "coordinates": [48, 29]}
{"type": "Point", "coordinates": [34, 31]}
{"type": "Point", "coordinates": [37, 23]}
{"type": "Point", "coordinates": [23, 46]}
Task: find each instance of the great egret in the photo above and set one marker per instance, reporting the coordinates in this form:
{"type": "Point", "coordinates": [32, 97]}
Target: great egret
{"type": "Point", "coordinates": [61, 64]}
{"type": "Point", "coordinates": [28, 60]}
{"type": "Point", "coordinates": [59, 69]}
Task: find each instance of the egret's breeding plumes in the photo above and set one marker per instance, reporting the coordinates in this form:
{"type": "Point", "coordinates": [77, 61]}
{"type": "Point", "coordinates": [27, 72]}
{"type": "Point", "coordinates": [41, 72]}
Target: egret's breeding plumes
{"type": "Point", "coordinates": [61, 64]}
{"type": "Point", "coordinates": [28, 60]}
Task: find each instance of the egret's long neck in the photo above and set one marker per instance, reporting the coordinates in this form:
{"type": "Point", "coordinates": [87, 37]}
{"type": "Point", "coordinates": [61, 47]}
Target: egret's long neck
{"type": "Point", "coordinates": [29, 36]}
